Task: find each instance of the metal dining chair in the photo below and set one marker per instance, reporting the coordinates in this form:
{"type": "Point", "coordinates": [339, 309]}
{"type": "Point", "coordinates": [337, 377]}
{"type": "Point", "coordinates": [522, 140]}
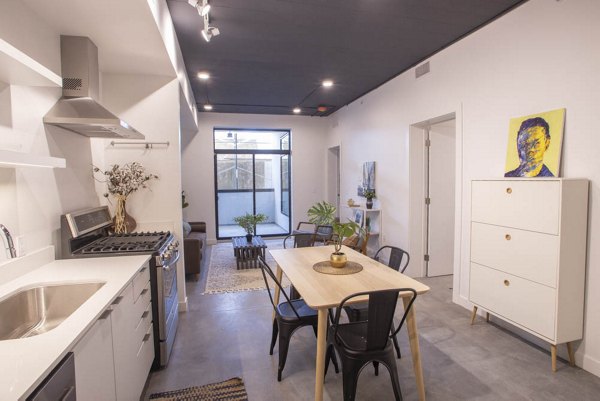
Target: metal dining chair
{"type": "Point", "coordinates": [398, 260]}
{"type": "Point", "coordinates": [366, 341]}
{"type": "Point", "coordinates": [290, 315]}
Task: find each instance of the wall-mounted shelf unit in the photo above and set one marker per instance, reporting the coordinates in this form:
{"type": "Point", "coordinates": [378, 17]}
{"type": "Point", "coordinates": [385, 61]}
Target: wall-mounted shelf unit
{"type": "Point", "coordinates": [17, 159]}
{"type": "Point", "coordinates": [369, 219]}
{"type": "Point", "coordinates": [17, 68]}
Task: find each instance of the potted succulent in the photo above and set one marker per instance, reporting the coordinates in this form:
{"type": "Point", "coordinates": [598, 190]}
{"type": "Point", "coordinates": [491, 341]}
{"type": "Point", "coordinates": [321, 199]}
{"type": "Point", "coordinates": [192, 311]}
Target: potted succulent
{"type": "Point", "coordinates": [341, 231]}
{"type": "Point", "coordinates": [369, 194]}
{"type": "Point", "coordinates": [248, 222]}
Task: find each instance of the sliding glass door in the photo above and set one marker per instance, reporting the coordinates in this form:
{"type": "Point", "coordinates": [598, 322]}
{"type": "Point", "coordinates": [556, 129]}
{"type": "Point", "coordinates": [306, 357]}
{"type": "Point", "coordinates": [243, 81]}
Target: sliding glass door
{"type": "Point", "coordinates": [252, 171]}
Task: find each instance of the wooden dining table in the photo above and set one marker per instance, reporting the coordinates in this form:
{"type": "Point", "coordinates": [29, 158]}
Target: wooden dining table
{"type": "Point", "coordinates": [324, 291]}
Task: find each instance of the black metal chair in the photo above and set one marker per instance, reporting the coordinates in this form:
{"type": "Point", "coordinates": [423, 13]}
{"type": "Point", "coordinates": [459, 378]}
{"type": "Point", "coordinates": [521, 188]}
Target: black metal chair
{"type": "Point", "coordinates": [362, 342]}
{"type": "Point", "coordinates": [300, 240]}
{"type": "Point", "coordinates": [324, 234]}
{"type": "Point", "coordinates": [290, 315]}
{"type": "Point", "coordinates": [395, 261]}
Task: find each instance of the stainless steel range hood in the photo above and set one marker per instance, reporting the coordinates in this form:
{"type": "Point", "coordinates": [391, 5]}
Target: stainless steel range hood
{"type": "Point", "coordinates": [78, 110]}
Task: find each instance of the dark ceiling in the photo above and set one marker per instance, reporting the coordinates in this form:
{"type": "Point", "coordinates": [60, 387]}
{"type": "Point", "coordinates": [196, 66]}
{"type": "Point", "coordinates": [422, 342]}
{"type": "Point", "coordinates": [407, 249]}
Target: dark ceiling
{"type": "Point", "coordinates": [272, 55]}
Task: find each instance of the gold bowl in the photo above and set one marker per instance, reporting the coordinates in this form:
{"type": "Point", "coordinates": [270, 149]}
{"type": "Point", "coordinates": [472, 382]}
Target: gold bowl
{"type": "Point", "coordinates": [338, 260]}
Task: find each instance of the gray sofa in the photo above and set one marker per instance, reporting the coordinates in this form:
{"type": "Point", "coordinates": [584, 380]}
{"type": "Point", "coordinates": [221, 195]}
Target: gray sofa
{"type": "Point", "coordinates": [194, 246]}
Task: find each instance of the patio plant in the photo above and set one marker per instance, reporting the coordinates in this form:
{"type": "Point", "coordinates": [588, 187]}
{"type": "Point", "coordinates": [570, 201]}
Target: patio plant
{"type": "Point", "coordinates": [248, 222]}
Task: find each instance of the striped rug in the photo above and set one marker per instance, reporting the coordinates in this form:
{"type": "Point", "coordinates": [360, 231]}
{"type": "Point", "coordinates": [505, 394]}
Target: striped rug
{"type": "Point", "coordinates": [229, 390]}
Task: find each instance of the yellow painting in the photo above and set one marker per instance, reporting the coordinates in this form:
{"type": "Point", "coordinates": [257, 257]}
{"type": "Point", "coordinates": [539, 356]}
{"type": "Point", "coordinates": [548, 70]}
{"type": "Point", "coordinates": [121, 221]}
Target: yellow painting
{"type": "Point", "coordinates": [535, 144]}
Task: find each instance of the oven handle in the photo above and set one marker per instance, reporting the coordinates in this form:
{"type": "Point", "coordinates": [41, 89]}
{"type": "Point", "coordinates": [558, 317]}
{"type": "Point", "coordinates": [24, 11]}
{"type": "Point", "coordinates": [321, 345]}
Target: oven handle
{"type": "Point", "coordinates": [172, 261]}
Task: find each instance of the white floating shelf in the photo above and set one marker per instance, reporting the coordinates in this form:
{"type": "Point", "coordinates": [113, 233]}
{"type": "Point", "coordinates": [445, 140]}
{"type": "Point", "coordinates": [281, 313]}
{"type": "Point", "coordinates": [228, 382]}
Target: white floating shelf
{"type": "Point", "coordinates": [17, 68]}
{"type": "Point", "coordinates": [17, 159]}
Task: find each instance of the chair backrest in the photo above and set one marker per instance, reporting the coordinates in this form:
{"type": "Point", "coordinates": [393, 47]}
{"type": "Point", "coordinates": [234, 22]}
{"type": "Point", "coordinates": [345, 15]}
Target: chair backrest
{"type": "Point", "coordinates": [299, 240]}
{"type": "Point", "coordinates": [306, 227]}
{"type": "Point", "coordinates": [324, 233]}
{"type": "Point", "coordinates": [267, 272]}
{"type": "Point", "coordinates": [398, 259]}
{"type": "Point", "coordinates": [382, 305]}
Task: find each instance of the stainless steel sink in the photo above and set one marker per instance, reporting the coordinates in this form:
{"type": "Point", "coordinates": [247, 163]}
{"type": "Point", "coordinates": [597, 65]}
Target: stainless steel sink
{"type": "Point", "coordinates": [37, 310]}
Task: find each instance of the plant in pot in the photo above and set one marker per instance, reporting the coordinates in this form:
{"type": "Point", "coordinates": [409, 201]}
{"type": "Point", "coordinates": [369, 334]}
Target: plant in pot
{"type": "Point", "coordinates": [322, 213]}
{"type": "Point", "coordinates": [370, 195]}
{"type": "Point", "coordinates": [341, 231]}
{"type": "Point", "coordinates": [248, 222]}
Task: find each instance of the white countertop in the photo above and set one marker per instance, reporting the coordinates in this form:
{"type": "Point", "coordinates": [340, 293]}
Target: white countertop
{"type": "Point", "coordinates": [24, 363]}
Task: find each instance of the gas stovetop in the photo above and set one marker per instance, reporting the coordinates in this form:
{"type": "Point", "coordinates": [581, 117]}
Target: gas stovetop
{"type": "Point", "coordinates": [128, 243]}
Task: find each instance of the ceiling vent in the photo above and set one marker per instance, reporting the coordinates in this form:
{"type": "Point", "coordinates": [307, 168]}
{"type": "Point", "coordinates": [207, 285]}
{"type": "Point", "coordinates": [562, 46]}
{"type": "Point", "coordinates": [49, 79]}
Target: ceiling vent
{"type": "Point", "coordinates": [422, 70]}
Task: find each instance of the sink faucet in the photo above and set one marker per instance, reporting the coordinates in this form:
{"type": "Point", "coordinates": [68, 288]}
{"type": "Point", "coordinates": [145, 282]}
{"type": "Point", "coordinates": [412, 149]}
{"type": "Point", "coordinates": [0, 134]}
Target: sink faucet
{"type": "Point", "coordinates": [10, 246]}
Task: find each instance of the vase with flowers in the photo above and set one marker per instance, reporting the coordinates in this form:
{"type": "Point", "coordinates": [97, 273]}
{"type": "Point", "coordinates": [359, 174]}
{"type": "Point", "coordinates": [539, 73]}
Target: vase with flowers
{"type": "Point", "coordinates": [121, 182]}
{"type": "Point", "coordinates": [370, 195]}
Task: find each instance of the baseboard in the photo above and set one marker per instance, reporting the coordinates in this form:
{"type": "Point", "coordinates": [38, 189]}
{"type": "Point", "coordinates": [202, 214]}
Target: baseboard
{"type": "Point", "coordinates": [183, 306]}
{"type": "Point", "coordinates": [211, 241]}
{"type": "Point", "coordinates": [590, 364]}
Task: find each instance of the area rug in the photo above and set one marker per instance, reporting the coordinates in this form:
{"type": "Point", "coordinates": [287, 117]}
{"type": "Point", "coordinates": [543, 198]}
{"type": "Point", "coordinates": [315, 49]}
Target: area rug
{"type": "Point", "coordinates": [229, 390]}
{"type": "Point", "coordinates": [223, 275]}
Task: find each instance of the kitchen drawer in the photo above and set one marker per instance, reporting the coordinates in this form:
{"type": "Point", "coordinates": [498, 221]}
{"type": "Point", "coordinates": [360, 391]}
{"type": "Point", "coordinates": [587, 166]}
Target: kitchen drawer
{"type": "Point", "coordinates": [528, 205]}
{"type": "Point", "coordinates": [528, 304]}
{"type": "Point", "coordinates": [144, 358]}
{"type": "Point", "coordinates": [142, 301]}
{"type": "Point", "coordinates": [526, 254]}
{"type": "Point", "coordinates": [140, 280]}
{"type": "Point", "coordinates": [145, 320]}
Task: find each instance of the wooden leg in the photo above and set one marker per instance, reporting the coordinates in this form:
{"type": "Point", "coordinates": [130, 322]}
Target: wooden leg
{"type": "Point", "coordinates": [413, 337]}
{"type": "Point", "coordinates": [553, 354]}
{"type": "Point", "coordinates": [321, 348]}
{"type": "Point", "coordinates": [278, 275]}
{"type": "Point", "coordinates": [487, 317]}
{"type": "Point", "coordinates": [571, 354]}
{"type": "Point", "coordinates": [473, 315]}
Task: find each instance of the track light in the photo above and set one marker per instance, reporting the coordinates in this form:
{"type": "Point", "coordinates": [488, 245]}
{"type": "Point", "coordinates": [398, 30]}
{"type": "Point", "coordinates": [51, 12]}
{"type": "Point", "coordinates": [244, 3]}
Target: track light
{"type": "Point", "coordinates": [328, 83]}
{"type": "Point", "coordinates": [297, 110]}
{"type": "Point", "coordinates": [203, 75]}
{"type": "Point", "coordinates": [204, 9]}
{"type": "Point", "coordinates": [208, 107]}
{"type": "Point", "coordinates": [193, 3]}
{"type": "Point", "coordinates": [209, 31]}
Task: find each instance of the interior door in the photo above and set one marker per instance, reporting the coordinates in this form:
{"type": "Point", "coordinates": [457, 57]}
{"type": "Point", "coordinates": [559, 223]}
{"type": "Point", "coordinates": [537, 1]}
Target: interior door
{"type": "Point", "coordinates": [441, 208]}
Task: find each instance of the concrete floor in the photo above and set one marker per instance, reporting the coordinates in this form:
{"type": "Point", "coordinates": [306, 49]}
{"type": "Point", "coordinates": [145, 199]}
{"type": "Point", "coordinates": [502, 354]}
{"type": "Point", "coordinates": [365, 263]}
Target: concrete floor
{"type": "Point", "coordinates": [228, 335]}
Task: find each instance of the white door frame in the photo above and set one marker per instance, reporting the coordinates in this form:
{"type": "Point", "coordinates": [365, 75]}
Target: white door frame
{"type": "Point", "coordinates": [334, 177]}
{"type": "Point", "coordinates": [417, 177]}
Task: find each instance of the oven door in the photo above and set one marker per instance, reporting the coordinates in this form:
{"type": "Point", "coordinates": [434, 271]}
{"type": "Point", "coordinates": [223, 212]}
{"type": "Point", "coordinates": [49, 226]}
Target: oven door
{"type": "Point", "coordinates": [167, 293]}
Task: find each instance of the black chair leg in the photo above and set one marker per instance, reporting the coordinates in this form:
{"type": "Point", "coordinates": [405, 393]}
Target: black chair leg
{"type": "Point", "coordinates": [274, 336]}
{"type": "Point", "coordinates": [395, 341]}
{"type": "Point", "coordinates": [350, 369]}
{"type": "Point", "coordinates": [284, 342]}
{"type": "Point", "coordinates": [376, 366]}
{"type": "Point", "coordinates": [391, 366]}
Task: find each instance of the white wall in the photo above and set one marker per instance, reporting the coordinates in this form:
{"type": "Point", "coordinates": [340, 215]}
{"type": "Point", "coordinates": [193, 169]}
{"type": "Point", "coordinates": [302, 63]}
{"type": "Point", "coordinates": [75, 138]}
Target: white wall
{"type": "Point", "coordinates": [541, 56]}
{"type": "Point", "coordinates": [308, 162]}
{"type": "Point", "coordinates": [151, 105]}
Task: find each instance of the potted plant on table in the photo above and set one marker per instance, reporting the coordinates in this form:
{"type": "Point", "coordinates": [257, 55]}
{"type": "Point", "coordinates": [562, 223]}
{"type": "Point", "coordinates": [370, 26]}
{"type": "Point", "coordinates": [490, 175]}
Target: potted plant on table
{"type": "Point", "coordinates": [341, 231]}
{"type": "Point", "coordinates": [248, 222]}
{"type": "Point", "coordinates": [370, 195]}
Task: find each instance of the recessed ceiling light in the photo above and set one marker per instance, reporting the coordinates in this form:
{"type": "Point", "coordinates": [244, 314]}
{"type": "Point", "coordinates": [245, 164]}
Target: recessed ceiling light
{"type": "Point", "coordinates": [297, 110]}
{"type": "Point", "coordinates": [203, 75]}
{"type": "Point", "coordinates": [208, 107]}
{"type": "Point", "coordinates": [327, 83]}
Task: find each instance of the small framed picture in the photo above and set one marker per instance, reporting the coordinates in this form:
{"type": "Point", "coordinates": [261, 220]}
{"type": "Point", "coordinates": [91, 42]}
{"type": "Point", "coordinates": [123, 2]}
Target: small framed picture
{"type": "Point", "coordinates": [358, 216]}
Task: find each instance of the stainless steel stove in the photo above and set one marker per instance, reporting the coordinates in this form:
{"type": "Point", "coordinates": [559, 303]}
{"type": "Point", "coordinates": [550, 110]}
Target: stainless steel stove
{"type": "Point", "coordinates": [86, 234]}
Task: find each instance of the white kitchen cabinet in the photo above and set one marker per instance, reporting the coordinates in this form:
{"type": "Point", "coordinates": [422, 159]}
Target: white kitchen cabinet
{"type": "Point", "coordinates": [132, 337]}
{"type": "Point", "coordinates": [528, 247]}
{"type": "Point", "coordinates": [94, 363]}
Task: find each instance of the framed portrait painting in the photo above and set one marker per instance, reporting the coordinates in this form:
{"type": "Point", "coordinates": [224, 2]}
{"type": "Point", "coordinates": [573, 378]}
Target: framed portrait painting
{"type": "Point", "coordinates": [535, 145]}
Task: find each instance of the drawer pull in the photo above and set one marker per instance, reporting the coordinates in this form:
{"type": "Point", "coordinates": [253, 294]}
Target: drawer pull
{"type": "Point", "coordinates": [146, 338]}
{"type": "Point", "coordinates": [507, 237]}
{"type": "Point", "coordinates": [145, 314]}
{"type": "Point", "coordinates": [143, 269]}
{"type": "Point", "coordinates": [145, 290]}
{"type": "Point", "coordinates": [118, 300]}
{"type": "Point", "coordinates": [506, 283]}
{"type": "Point", "coordinates": [509, 190]}
{"type": "Point", "coordinates": [105, 314]}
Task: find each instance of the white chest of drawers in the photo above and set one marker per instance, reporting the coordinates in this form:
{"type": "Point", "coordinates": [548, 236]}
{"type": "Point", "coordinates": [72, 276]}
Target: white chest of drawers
{"type": "Point", "coordinates": [528, 252]}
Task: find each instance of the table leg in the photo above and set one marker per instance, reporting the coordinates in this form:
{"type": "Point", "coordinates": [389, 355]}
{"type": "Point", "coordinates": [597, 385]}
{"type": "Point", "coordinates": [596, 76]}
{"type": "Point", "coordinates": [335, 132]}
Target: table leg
{"type": "Point", "coordinates": [413, 336]}
{"type": "Point", "coordinates": [278, 275]}
{"type": "Point", "coordinates": [321, 347]}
